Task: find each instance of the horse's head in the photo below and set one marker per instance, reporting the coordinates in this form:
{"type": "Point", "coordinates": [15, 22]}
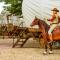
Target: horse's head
{"type": "Point", "coordinates": [35, 22]}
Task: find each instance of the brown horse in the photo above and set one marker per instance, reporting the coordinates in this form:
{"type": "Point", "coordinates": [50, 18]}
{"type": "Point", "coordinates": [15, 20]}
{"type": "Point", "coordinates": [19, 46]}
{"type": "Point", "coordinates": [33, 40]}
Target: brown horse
{"type": "Point", "coordinates": [44, 29]}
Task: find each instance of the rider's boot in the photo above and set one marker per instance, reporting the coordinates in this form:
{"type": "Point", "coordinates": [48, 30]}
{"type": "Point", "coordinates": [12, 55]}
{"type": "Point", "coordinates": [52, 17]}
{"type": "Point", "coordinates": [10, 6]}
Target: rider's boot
{"type": "Point", "coordinates": [51, 40]}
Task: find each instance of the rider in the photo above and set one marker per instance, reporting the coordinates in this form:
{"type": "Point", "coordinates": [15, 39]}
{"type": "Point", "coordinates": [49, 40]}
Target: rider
{"type": "Point", "coordinates": [53, 22]}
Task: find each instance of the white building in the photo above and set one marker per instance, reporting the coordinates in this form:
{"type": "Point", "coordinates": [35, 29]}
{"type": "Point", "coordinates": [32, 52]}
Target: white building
{"type": "Point", "coordinates": [39, 8]}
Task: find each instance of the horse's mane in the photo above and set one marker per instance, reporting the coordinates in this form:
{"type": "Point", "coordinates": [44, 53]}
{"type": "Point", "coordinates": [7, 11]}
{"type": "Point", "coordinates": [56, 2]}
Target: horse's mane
{"type": "Point", "coordinates": [44, 24]}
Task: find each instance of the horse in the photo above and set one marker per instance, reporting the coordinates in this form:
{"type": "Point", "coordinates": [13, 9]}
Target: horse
{"type": "Point", "coordinates": [44, 27]}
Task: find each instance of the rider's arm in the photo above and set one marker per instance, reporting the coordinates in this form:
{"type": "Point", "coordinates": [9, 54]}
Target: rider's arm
{"type": "Point", "coordinates": [52, 18]}
{"type": "Point", "coordinates": [59, 19]}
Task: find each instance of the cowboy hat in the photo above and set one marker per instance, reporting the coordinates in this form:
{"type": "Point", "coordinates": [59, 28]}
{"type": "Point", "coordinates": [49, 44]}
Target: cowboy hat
{"type": "Point", "coordinates": [55, 9]}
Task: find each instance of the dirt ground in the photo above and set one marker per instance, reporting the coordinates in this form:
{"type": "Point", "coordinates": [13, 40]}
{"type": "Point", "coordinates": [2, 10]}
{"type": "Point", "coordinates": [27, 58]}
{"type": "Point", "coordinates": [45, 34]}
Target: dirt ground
{"type": "Point", "coordinates": [31, 51]}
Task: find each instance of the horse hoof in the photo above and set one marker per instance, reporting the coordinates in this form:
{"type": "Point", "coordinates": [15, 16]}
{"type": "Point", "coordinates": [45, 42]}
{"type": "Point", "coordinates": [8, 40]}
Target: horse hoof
{"type": "Point", "coordinates": [44, 52]}
{"type": "Point", "coordinates": [50, 52]}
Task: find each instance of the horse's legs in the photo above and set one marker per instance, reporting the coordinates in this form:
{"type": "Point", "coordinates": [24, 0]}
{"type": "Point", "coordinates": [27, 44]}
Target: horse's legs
{"type": "Point", "coordinates": [45, 46]}
{"type": "Point", "coordinates": [44, 35]}
{"type": "Point", "coordinates": [50, 46]}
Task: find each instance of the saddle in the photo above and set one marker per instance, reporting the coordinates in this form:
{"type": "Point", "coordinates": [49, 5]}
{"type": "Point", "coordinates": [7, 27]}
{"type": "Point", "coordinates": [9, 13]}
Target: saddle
{"type": "Point", "coordinates": [57, 29]}
{"type": "Point", "coordinates": [56, 33]}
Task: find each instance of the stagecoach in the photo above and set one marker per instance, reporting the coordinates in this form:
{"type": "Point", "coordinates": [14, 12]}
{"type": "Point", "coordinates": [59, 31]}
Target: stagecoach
{"type": "Point", "coordinates": [22, 34]}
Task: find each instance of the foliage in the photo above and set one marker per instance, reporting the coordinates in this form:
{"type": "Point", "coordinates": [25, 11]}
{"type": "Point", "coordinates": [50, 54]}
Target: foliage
{"type": "Point", "coordinates": [16, 6]}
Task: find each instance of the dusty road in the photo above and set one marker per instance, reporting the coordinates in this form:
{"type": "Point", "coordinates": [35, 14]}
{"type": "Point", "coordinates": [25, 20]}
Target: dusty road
{"type": "Point", "coordinates": [36, 53]}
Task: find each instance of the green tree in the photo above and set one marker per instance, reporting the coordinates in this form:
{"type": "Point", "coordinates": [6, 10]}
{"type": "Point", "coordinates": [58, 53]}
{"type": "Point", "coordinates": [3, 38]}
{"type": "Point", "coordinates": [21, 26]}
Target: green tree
{"type": "Point", "coordinates": [16, 6]}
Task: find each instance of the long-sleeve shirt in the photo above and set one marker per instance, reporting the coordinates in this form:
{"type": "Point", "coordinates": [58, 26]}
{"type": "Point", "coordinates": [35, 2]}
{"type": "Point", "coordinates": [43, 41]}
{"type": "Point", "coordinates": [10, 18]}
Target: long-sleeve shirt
{"type": "Point", "coordinates": [53, 18]}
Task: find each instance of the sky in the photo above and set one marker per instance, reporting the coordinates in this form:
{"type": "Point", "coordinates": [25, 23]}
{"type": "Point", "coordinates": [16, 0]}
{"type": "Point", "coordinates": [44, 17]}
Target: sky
{"type": "Point", "coordinates": [1, 6]}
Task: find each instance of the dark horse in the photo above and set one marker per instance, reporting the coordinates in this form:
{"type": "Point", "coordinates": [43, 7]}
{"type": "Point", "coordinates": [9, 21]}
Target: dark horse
{"type": "Point", "coordinates": [44, 29]}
